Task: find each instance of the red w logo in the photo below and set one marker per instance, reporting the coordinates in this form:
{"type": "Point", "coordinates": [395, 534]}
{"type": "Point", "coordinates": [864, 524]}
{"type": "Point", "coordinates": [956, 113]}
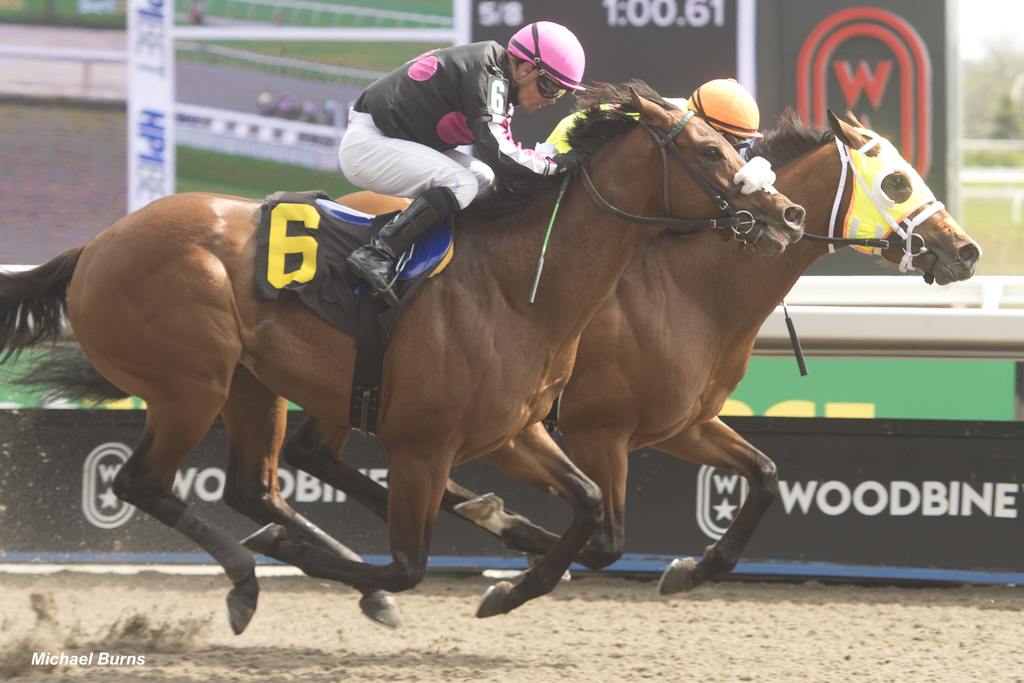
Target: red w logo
{"type": "Point", "coordinates": [852, 83]}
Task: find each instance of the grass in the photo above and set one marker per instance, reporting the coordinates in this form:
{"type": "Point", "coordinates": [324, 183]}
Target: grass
{"type": "Point", "coordinates": [203, 171]}
{"type": "Point", "coordinates": [990, 223]}
{"type": "Point", "coordinates": [372, 56]}
{"type": "Point", "coordinates": [58, 12]}
{"type": "Point", "coordinates": [283, 14]}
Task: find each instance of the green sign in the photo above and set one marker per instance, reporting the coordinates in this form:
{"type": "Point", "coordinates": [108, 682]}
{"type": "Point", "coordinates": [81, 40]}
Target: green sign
{"type": "Point", "coordinates": [836, 387]}
{"type": "Point", "coordinates": [877, 387]}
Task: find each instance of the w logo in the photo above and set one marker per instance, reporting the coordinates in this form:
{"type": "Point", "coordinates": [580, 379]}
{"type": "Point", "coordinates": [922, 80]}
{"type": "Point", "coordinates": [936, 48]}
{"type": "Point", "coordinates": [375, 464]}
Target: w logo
{"type": "Point", "coordinates": [853, 83]}
{"type": "Point", "coordinates": [844, 50]}
{"type": "Point", "coordinates": [101, 507]}
{"type": "Point", "coordinates": [719, 497]}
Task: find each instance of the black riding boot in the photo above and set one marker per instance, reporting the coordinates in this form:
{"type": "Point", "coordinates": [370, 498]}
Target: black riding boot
{"type": "Point", "coordinates": [373, 262]}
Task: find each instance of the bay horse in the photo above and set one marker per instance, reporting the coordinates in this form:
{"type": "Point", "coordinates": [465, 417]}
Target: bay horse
{"type": "Point", "coordinates": [658, 360]}
{"type": "Point", "coordinates": [163, 303]}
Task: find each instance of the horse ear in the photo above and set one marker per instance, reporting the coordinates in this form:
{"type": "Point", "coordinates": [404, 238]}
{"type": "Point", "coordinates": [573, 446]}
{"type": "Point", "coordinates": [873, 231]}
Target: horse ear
{"type": "Point", "coordinates": [846, 133]}
{"type": "Point", "coordinates": [852, 119]}
{"type": "Point", "coordinates": [650, 113]}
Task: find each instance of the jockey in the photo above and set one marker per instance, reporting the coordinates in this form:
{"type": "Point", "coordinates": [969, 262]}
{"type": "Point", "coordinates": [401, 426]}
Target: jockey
{"type": "Point", "coordinates": [403, 130]}
{"type": "Point", "coordinates": [726, 105]}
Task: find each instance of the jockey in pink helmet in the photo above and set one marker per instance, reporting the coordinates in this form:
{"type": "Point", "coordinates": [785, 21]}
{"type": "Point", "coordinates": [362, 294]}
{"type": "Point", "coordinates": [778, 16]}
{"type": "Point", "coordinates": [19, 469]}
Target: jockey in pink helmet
{"type": "Point", "coordinates": [404, 128]}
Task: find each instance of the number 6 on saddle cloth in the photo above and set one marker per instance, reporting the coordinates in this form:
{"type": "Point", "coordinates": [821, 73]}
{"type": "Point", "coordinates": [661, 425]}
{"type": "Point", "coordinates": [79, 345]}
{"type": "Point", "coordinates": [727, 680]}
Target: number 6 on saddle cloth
{"type": "Point", "coordinates": [304, 239]}
{"type": "Point", "coordinates": [302, 243]}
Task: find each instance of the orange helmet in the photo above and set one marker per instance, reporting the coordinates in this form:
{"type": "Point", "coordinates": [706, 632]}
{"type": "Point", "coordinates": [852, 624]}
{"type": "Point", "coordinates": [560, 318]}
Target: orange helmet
{"type": "Point", "coordinates": [727, 106]}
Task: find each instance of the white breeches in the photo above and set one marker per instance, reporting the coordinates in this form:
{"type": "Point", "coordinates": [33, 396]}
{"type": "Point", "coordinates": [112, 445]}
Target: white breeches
{"type": "Point", "coordinates": [373, 161]}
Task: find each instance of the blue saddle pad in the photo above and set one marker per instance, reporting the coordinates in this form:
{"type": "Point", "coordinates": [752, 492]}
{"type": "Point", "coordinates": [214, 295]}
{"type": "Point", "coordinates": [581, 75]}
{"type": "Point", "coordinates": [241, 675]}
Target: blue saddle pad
{"type": "Point", "coordinates": [421, 257]}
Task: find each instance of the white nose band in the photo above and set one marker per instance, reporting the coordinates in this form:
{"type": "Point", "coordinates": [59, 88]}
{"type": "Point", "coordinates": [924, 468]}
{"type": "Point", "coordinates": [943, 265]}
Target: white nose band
{"type": "Point", "coordinates": [756, 174]}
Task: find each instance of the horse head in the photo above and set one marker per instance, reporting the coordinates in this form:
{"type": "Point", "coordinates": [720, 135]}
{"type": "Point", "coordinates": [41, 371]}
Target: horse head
{"type": "Point", "coordinates": [890, 200]}
{"type": "Point", "coordinates": [759, 215]}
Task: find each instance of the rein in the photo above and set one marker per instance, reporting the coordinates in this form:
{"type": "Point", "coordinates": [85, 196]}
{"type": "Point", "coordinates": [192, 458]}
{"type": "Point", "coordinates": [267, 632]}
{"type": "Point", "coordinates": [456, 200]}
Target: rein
{"type": "Point", "coordinates": [740, 222]}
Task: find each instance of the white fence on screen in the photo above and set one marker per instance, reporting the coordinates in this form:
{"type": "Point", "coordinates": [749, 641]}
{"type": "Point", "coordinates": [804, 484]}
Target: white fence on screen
{"type": "Point", "coordinates": [309, 145]}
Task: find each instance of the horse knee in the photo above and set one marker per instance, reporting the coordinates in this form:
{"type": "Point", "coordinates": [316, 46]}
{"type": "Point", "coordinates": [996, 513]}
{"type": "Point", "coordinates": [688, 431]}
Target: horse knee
{"type": "Point", "coordinates": [590, 501]}
{"type": "Point", "coordinates": [767, 483]}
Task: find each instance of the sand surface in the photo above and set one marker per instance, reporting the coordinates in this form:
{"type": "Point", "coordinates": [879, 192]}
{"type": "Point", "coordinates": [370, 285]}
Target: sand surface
{"type": "Point", "coordinates": [592, 629]}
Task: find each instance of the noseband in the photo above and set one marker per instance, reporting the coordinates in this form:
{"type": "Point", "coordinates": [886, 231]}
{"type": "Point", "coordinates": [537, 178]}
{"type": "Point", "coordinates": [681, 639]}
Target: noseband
{"type": "Point", "coordinates": [739, 223]}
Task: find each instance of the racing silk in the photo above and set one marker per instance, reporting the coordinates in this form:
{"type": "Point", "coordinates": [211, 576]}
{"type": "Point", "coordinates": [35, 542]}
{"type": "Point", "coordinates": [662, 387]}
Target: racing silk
{"type": "Point", "coordinates": [454, 96]}
{"type": "Point", "coordinates": [559, 136]}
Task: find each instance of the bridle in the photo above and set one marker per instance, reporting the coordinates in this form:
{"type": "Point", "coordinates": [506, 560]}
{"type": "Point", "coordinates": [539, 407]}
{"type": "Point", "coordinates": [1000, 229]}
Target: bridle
{"type": "Point", "coordinates": [904, 229]}
{"type": "Point", "coordinates": [739, 224]}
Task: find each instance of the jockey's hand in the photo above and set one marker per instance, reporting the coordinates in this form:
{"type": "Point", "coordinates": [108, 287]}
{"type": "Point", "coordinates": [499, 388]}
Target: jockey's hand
{"type": "Point", "coordinates": [569, 162]}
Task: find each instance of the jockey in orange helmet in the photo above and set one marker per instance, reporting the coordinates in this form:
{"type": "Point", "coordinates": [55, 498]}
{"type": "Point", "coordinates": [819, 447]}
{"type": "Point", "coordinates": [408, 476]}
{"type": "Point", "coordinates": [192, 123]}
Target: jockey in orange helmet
{"type": "Point", "coordinates": [729, 108]}
{"type": "Point", "coordinates": [725, 104]}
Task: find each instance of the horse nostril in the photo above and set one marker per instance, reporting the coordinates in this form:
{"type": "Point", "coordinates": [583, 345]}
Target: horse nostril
{"type": "Point", "coordinates": [794, 215]}
{"type": "Point", "coordinates": [969, 253]}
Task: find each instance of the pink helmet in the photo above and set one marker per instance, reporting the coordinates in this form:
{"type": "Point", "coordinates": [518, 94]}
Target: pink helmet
{"type": "Point", "coordinates": [554, 49]}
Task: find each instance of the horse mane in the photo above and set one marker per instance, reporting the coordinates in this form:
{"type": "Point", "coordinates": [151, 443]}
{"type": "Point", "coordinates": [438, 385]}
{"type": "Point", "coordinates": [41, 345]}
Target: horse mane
{"type": "Point", "coordinates": [790, 140]}
{"type": "Point", "coordinates": [605, 108]}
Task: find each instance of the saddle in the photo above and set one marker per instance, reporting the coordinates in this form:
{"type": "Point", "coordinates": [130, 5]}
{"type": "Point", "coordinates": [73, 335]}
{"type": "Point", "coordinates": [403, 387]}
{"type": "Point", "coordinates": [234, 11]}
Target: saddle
{"type": "Point", "coordinates": [304, 239]}
{"type": "Point", "coordinates": [302, 242]}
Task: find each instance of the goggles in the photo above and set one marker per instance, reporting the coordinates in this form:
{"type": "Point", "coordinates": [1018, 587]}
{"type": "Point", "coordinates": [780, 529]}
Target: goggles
{"type": "Point", "coordinates": [549, 88]}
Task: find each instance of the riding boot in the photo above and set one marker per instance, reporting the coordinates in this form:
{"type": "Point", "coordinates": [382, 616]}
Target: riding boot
{"type": "Point", "coordinates": [374, 262]}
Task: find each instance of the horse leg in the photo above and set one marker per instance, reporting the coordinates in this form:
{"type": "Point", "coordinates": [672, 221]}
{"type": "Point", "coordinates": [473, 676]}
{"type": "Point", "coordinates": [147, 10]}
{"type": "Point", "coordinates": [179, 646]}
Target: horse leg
{"type": "Point", "coordinates": [604, 458]}
{"type": "Point", "coordinates": [416, 483]}
{"type": "Point", "coordinates": [255, 418]}
{"type": "Point", "coordinates": [715, 444]}
{"type": "Point", "coordinates": [550, 470]}
{"type": "Point", "coordinates": [308, 451]}
{"type": "Point", "coordinates": [173, 428]}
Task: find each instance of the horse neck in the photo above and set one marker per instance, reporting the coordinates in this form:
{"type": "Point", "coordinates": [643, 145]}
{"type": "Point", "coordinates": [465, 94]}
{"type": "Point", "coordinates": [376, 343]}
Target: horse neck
{"type": "Point", "coordinates": [588, 251]}
{"type": "Point", "coordinates": [742, 288]}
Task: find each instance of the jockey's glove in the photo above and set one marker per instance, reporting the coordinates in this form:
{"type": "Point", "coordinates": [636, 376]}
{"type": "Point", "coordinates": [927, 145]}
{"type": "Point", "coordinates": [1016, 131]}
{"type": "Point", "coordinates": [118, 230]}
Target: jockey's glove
{"type": "Point", "coordinates": [569, 162]}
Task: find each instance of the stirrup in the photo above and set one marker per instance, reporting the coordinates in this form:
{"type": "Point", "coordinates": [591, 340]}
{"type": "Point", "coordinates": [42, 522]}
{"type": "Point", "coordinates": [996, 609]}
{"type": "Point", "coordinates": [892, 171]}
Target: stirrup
{"type": "Point", "coordinates": [388, 291]}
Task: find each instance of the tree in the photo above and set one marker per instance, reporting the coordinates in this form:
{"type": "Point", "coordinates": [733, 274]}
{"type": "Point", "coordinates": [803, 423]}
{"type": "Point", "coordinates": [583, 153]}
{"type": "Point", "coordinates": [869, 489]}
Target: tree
{"type": "Point", "coordinates": [1006, 120]}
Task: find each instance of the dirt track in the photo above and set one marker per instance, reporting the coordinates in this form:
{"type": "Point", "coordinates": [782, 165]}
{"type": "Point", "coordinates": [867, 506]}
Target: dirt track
{"type": "Point", "coordinates": [597, 629]}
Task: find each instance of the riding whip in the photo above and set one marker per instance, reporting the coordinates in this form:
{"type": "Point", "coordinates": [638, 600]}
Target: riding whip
{"type": "Point", "coordinates": [795, 341]}
{"type": "Point", "coordinates": [544, 247]}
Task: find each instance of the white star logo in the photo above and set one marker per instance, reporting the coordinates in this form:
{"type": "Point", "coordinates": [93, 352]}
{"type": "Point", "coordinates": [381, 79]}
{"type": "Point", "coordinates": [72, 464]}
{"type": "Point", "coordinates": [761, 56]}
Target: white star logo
{"type": "Point", "coordinates": [108, 499]}
{"type": "Point", "coordinates": [724, 510]}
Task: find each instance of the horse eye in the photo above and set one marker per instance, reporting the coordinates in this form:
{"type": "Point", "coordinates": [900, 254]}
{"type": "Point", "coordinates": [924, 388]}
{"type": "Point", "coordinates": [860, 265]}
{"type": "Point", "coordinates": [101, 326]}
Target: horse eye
{"type": "Point", "coordinates": [713, 154]}
{"type": "Point", "coordinates": [897, 187]}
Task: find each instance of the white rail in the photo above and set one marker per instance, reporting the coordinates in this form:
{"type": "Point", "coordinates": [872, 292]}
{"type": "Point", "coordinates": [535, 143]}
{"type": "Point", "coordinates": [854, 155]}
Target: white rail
{"type": "Point", "coordinates": [330, 71]}
{"type": "Point", "coordinates": [439, 36]}
{"type": "Point", "coordinates": [325, 8]}
{"type": "Point", "coordinates": [308, 145]}
{"type": "Point", "coordinates": [18, 76]}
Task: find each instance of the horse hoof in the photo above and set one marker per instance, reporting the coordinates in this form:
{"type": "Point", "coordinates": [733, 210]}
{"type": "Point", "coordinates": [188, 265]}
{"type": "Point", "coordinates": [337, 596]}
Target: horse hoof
{"type": "Point", "coordinates": [493, 602]}
{"type": "Point", "coordinates": [242, 602]}
{"type": "Point", "coordinates": [481, 507]}
{"type": "Point", "coordinates": [678, 577]}
{"type": "Point", "coordinates": [381, 609]}
{"type": "Point", "coordinates": [264, 540]}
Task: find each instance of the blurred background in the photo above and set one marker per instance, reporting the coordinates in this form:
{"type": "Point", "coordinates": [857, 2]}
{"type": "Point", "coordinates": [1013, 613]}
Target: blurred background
{"type": "Point", "coordinates": [249, 97]}
{"type": "Point", "coordinates": [64, 87]}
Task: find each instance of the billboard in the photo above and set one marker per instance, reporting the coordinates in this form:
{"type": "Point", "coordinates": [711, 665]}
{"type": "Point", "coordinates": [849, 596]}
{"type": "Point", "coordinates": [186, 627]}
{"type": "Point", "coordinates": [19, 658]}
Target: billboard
{"type": "Point", "coordinates": [881, 499]}
{"type": "Point", "coordinates": [889, 62]}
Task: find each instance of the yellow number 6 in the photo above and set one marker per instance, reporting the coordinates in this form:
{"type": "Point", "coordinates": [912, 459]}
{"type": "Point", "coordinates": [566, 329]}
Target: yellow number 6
{"type": "Point", "coordinates": [281, 244]}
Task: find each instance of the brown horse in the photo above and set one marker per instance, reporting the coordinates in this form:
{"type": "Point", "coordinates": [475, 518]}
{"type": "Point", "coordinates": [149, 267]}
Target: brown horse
{"type": "Point", "coordinates": [663, 353]}
{"type": "Point", "coordinates": [163, 304]}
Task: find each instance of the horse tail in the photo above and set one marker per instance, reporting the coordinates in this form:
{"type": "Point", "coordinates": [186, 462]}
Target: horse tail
{"type": "Point", "coordinates": [33, 303]}
{"type": "Point", "coordinates": [65, 373]}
